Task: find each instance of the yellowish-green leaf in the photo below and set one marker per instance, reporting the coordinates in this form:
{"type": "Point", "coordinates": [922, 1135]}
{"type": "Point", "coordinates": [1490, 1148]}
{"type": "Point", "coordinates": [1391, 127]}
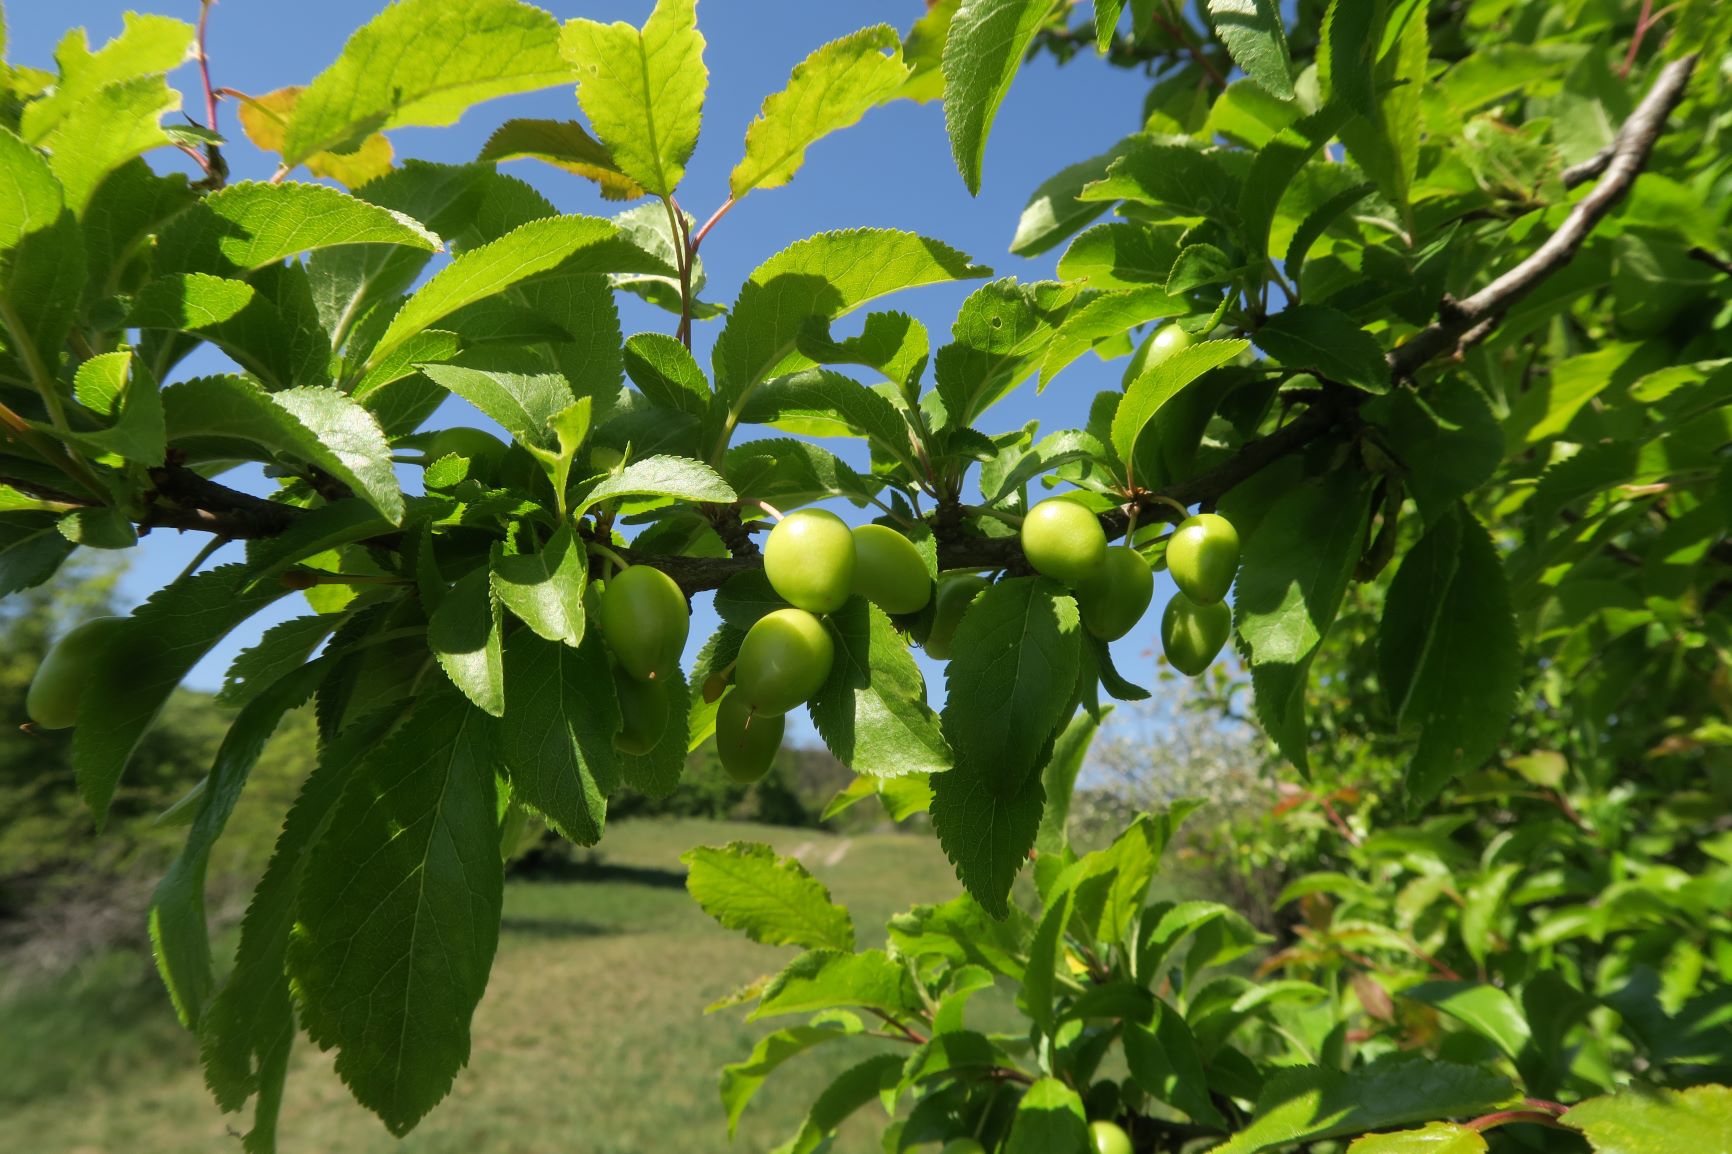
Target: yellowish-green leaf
{"type": "Point", "coordinates": [643, 91]}
{"type": "Point", "coordinates": [563, 144]}
{"type": "Point", "coordinates": [828, 91]}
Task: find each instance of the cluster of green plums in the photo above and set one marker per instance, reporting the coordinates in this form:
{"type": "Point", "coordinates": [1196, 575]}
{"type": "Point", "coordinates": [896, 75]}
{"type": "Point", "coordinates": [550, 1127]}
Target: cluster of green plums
{"type": "Point", "coordinates": [1104, 1138]}
{"type": "Point", "coordinates": [1114, 584]}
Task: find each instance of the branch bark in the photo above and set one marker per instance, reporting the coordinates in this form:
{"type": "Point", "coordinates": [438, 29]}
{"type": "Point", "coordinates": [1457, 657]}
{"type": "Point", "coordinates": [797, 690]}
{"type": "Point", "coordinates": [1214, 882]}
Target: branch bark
{"type": "Point", "coordinates": [1463, 323]}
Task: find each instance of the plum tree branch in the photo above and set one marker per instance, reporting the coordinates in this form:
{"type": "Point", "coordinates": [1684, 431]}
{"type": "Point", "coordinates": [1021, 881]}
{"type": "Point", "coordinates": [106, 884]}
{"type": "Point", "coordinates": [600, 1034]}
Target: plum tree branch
{"type": "Point", "coordinates": [1465, 322]}
{"type": "Point", "coordinates": [195, 502]}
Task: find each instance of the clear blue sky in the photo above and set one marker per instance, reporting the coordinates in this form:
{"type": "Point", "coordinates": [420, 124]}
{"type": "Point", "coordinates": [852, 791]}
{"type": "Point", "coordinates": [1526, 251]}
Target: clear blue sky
{"type": "Point", "coordinates": [892, 170]}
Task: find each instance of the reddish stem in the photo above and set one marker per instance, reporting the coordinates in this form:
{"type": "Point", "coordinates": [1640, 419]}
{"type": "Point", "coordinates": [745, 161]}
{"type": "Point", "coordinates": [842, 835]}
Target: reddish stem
{"type": "Point", "coordinates": [698, 237]}
{"type": "Point", "coordinates": [210, 95]}
{"type": "Point", "coordinates": [1643, 23]}
{"type": "Point", "coordinates": [1505, 1117]}
{"type": "Point", "coordinates": [1181, 32]}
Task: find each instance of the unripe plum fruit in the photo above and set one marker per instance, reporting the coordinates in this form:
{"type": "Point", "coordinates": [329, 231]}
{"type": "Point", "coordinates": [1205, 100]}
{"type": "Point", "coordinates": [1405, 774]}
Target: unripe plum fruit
{"type": "Point", "coordinates": [644, 620]}
{"type": "Point", "coordinates": [52, 700]}
{"type": "Point", "coordinates": [955, 592]}
{"type": "Point", "coordinates": [1108, 1138]}
{"type": "Point", "coordinates": [784, 660]}
{"type": "Point", "coordinates": [1063, 540]}
{"type": "Point", "coordinates": [1192, 634]}
{"type": "Point", "coordinates": [889, 571]}
{"type": "Point", "coordinates": [963, 1146]}
{"type": "Point", "coordinates": [1203, 557]}
{"type": "Point", "coordinates": [809, 559]}
{"type": "Point", "coordinates": [1113, 600]}
{"type": "Point", "coordinates": [747, 741]}
{"type": "Point", "coordinates": [1169, 340]}
{"type": "Point", "coordinates": [643, 709]}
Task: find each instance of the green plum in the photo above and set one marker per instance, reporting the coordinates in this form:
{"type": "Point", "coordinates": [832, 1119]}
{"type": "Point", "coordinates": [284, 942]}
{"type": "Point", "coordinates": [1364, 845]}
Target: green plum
{"type": "Point", "coordinates": [955, 592]}
{"type": "Point", "coordinates": [644, 619]}
{"type": "Point", "coordinates": [889, 571]}
{"type": "Point", "coordinates": [1193, 634]}
{"type": "Point", "coordinates": [486, 452]}
{"type": "Point", "coordinates": [1203, 557]}
{"type": "Point", "coordinates": [1168, 340]}
{"type": "Point", "coordinates": [52, 700]}
{"type": "Point", "coordinates": [1063, 540]}
{"type": "Point", "coordinates": [783, 661]}
{"type": "Point", "coordinates": [643, 708]}
{"type": "Point", "coordinates": [963, 1146]}
{"type": "Point", "coordinates": [1109, 1138]}
{"type": "Point", "coordinates": [747, 740]}
{"type": "Point", "coordinates": [809, 559]}
{"type": "Point", "coordinates": [1115, 599]}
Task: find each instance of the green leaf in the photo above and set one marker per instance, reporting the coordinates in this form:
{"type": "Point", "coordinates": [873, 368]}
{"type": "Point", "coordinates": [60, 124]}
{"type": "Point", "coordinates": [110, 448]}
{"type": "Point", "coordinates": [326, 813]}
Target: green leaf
{"type": "Point", "coordinates": [102, 527]}
{"type": "Point", "coordinates": [643, 91]}
{"type": "Point", "coordinates": [1008, 687]}
{"type": "Point", "coordinates": [30, 197]}
{"type": "Point", "coordinates": [852, 1089]}
{"type": "Point", "coordinates": [179, 934]}
{"type": "Point", "coordinates": [1448, 652]}
{"type": "Point", "coordinates": [1175, 179]}
{"type": "Point", "coordinates": [656, 774]}
{"type": "Point", "coordinates": [31, 549]}
{"type": "Point", "coordinates": [786, 472]}
{"type": "Point", "coordinates": [1295, 571]}
{"type": "Point", "coordinates": [1305, 1103]}
{"type": "Point", "coordinates": [677, 477]}
{"type": "Point", "coordinates": [1165, 1062]}
{"type": "Point", "coordinates": [1329, 342]}
{"type": "Point", "coordinates": [828, 91]}
{"type": "Point", "coordinates": [664, 370]}
{"type": "Point", "coordinates": [741, 1080]}
{"type": "Point", "coordinates": [545, 589]}
{"type": "Point", "coordinates": [1347, 66]}
{"type": "Point", "coordinates": [1055, 211]}
{"type": "Point", "coordinates": [399, 911]}
{"type": "Point", "coordinates": [104, 131]}
{"type": "Point", "coordinates": [1485, 1009]}
{"type": "Point", "coordinates": [923, 49]}
{"type": "Point", "coordinates": [280, 650]}
{"type": "Point", "coordinates": [649, 227]}
{"type": "Point", "coordinates": [982, 53]}
{"type": "Point", "coordinates": [1046, 957]}
{"type": "Point", "coordinates": [250, 225]}
{"type": "Point", "coordinates": [159, 644]}
{"type": "Point", "coordinates": [1049, 1120]}
{"type": "Point", "coordinates": [1318, 222]}
{"type": "Point", "coordinates": [1433, 1138]}
{"type": "Point", "coordinates": [1642, 1121]}
{"type": "Point", "coordinates": [1059, 779]}
{"type": "Point", "coordinates": [839, 405]}
{"type": "Point", "coordinates": [522, 403]}
{"type": "Point", "coordinates": [245, 1032]}
{"type": "Point", "coordinates": [1447, 440]}
{"type": "Point", "coordinates": [464, 635]}
{"type": "Point", "coordinates": [568, 245]}
{"type": "Point", "coordinates": [1386, 144]}
{"type": "Point", "coordinates": [557, 738]}
{"type": "Point", "coordinates": [1252, 32]}
{"type": "Point", "coordinates": [382, 80]}
{"type": "Point", "coordinates": [314, 426]}
{"type": "Point", "coordinates": [121, 389]}
{"type": "Point", "coordinates": [872, 710]}
{"type": "Point", "coordinates": [1002, 334]}
{"type": "Point", "coordinates": [563, 144]}
{"type": "Point", "coordinates": [1275, 167]}
{"type": "Point", "coordinates": [312, 532]}
{"type": "Point", "coordinates": [1127, 867]}
{"type": "Point", "coordinates": [822, 277]}
{"type": "Point", "coordinates": [772, 900]}
{"type": "Point", "coordinates": [147, 46]}
{"type": "Point", "coordinates": [833, 979]}
{"type": "Point", "coordinates": [1155, 388]}
{"type": "Point", "coordinates": [241, 320]}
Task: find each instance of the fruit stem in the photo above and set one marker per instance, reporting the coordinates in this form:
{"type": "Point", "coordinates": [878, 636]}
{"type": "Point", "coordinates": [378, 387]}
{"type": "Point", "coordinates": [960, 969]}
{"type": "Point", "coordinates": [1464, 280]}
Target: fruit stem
{"type": "Point", "coordinates": [1010, 519]}
{"type": "Point", "coordinates": [613, 558]}
{"type": "Point", "coordinates": [775, 513]}
{"type": "Point", "coordinates": [1184, 514]}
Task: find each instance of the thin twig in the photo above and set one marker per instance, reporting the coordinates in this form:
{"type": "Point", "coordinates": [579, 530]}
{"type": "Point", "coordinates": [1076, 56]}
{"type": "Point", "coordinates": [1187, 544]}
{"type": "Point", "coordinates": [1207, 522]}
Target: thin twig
{"type": "Point", "coordinates": [698, 237]}
{"type": "Point", "coordinates": [1462, 323]}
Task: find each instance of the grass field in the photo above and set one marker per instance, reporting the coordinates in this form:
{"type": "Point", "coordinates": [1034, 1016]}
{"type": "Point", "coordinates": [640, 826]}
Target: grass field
{"type": "Point", "coordinates": [591, 1039]}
